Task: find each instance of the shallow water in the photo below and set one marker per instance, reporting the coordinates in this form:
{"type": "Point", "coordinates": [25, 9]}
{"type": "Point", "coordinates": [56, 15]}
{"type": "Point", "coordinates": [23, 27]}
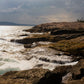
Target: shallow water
{"type": "Point", "coordinates": [13, 57]}
{"type": "Point", "coordinates": [10, 52]}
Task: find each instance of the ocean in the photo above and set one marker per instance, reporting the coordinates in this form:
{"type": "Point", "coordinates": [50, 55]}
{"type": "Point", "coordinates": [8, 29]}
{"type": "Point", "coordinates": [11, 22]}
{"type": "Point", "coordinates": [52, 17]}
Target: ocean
{"type": "Point", "coordinates": [13, 55]}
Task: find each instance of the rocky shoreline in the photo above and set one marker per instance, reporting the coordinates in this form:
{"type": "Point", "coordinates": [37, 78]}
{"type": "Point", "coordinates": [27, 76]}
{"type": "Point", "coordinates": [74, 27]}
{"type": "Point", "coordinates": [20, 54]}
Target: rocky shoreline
{"type": "Point", "coordinates": [67, 37]}
{"type": "Point", "coordinates": [60, 75]}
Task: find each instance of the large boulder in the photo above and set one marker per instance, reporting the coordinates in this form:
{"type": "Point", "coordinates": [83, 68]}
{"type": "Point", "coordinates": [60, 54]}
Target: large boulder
{"type": "Point", "coordinates": [23, 77]}
{"type": "Point", "coordinates": [77, 73]}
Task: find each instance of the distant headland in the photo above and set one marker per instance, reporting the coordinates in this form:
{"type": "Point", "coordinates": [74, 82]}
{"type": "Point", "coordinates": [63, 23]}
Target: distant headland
{"type": "Point", "coordinates": [15, 24]}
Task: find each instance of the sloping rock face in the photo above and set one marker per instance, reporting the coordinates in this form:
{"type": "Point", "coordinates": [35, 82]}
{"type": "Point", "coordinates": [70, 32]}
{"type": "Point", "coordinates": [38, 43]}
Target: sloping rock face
{"type": "Point", "coordinates": [73, 46]}
{"type": "Point", "coordinates": [59, 26]}
{"type": "Point", "coordinates": [33, 76]}
{"type": "Point", "coordinates": [51, 78]}
{"type": "Point", "coordinates": [54, 32]}
{"type": "Point", "coordinates": [71, 74]}
{"type": "Point", "coordinates": [46, 37]}
{"type": "Point", "coordinates": [29, 40]}
{"type": "Point", "coordinates": [60, 75]}
{"type": "Point", "coordinates": [57, 31]}
{"type": "Point", "coordinates": [77, 73]}
{"type": "Point", "coordinates": [23, 77]}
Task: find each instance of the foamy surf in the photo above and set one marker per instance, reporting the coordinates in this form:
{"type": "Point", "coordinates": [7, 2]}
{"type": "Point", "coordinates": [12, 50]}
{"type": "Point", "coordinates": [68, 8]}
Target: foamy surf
{"type": "Point", "coordinates": [13, 56]}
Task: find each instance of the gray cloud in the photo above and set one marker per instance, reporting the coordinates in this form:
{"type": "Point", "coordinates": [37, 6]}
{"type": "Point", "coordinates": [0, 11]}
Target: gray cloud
{"type": "Point", "coordinates": [40, 11]}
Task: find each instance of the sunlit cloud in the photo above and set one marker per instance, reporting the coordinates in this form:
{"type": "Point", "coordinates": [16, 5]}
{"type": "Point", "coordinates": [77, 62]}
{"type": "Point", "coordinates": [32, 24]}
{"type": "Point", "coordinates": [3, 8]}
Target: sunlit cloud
{"type": "Point", "coordinates": [40, 11]}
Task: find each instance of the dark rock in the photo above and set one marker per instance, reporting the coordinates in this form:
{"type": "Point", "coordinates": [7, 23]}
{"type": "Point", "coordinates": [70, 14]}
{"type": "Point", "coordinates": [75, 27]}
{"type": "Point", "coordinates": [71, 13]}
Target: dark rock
{"type": "Point", "coordinates": [77, 73]}
{"type": "Point", "coordinates": [24, 35]}
{"type": "Point", "coordinates": [66, 78]}
{"type": "Point", "coordinates": [29, 40]}
{"type": "Point", "coordinates": [62, 74]}
{"type": "Point", "coordinates": [28, 45]}
{"type": "Point", "coordinates": [66, 32]}
{"type": "Point", "coordinates": [44, 59]}
{"type": "Point", "coordinates": [78, 70]}
{"type": "Point", "coordinates": [58, 62]}
{"type": "Point", "coordinates": [23, 77]}
{"type": "Point", "coordinates": [51, 78]}
{"type": "Point", "coordinates": [39, 65]}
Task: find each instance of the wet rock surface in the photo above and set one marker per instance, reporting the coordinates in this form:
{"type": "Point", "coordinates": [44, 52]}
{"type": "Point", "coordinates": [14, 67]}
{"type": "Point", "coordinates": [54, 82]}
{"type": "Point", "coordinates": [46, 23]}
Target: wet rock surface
{"type": "Point", "coordinates": [60, 75]}
{"type": "Point", "coordinates": [77, 73]}
{"type": "Point", "coordinates": [23, 77]}
{"type": "Point", "coordinates": [59, 62]}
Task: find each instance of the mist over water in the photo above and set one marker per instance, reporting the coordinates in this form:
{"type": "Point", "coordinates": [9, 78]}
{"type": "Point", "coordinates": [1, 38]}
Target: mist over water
{"type": "Point", "coordinates": [12, 57]}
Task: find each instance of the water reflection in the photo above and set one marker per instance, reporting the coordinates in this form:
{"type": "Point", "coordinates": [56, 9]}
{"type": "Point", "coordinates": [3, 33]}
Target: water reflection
{"type": "Point", "coordinates": [10, 52]}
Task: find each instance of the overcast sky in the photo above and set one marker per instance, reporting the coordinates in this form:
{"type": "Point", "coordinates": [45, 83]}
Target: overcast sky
{"type": "Point", "coordinates": [40, 11]}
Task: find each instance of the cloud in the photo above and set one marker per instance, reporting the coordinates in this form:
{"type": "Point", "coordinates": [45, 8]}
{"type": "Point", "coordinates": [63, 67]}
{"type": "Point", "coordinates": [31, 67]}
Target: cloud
{"type": "Point", "coordinates": [40, 11]}
{"type": "Point", "coordinates": [11, 9]}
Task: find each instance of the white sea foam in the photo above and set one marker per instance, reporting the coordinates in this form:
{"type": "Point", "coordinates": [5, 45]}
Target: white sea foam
{"type": "Point", "coordinates": [12, 58]}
